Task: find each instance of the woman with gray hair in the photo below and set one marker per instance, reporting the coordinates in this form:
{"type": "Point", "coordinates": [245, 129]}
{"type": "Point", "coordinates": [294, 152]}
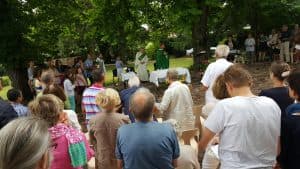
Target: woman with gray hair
{"type": "Point", "coordinates": [214, 70]}
{"type": "Point", "coordinates": [24, 144]}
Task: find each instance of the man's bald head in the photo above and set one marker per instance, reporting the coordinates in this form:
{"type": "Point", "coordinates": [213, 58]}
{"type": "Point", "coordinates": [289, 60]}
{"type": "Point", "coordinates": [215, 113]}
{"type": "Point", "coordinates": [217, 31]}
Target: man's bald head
{"type": "Point", "coordinates": [142, 104]}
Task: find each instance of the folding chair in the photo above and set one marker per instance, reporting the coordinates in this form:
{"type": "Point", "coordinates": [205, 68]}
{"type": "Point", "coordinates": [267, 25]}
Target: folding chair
{"type": "Point", "coordinates": [188, 135]}
{"type": "Point", "coordinates": [198, 124]}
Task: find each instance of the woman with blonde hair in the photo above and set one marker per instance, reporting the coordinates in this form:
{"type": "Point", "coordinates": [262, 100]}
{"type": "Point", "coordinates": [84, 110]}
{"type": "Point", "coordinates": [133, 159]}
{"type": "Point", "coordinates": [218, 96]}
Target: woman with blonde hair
{"type": "Point", "coordinates": [219, 88]}
{"type": "Point", "coordinates": [71, 149]}
{"type": "Point", "coordinates": [24, 144]}
{"type": "Point", "coordinates": [104, 128]}
{"type": "Point", "coordinates": [210, 159]}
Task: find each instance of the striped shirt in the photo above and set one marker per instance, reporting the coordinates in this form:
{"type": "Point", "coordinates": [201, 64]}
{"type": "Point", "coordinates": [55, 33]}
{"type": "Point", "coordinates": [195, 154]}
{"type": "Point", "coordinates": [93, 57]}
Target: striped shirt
{"type": "Point", "coordinates": [89, 100]}
{"type": "Point", "coordinates": [20, 109]}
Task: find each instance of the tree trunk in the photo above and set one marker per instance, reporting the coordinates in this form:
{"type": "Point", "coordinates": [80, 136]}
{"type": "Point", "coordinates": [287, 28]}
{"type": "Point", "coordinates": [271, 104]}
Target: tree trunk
{"type": "Point", "coordinates": [20, 81]}
{"type": "Point", "coordinates": [123, 48]}
{"type": "Point", "coordinates": [200, 34]}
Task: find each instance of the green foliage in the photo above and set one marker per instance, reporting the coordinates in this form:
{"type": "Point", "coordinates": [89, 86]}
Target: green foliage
{"type": "Point", "coordinates": [15, 20]}
{"type": "Point", "coordinates": [5, 81]}
{"type": "Point", "coordinates": [151, 49]}
{"type": "Point", "coordinates": [34, 29]}
{"type": "Point", "coordinates": [3, 92]}
{"type": "Point", "coordinates": [262, 15]}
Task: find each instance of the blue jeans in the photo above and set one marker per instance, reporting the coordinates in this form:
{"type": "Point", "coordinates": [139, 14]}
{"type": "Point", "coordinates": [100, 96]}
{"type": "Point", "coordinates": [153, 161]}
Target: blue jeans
{"type": "Point", "coordinates": [250, 56]}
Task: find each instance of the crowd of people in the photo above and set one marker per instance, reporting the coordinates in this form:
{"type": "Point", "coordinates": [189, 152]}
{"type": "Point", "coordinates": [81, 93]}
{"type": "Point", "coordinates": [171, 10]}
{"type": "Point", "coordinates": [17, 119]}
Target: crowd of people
{"type": "Point", "coordinates": [281, 44]}
{"type": "Point", "coordinates": [123, 127]}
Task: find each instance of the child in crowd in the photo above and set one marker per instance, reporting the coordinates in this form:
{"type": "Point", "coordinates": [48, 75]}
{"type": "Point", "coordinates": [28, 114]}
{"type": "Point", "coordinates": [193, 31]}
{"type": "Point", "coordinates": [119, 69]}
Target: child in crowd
{"type": "Point", "coordinates": [290, 132]}
{"type": "Point", "coordinates": [88, 67]}
{"type": "Point", "coordinates": [15, 97]}
{"type": "Point", "coordinates": [70, 147]}
{"type": "Point", "coordinates": [100, 63]}
{"type": "Point", "coordinates": [70, 88]}
{"type": "Point", "coordinates": [80, 81]}
{"type": "Point", "coordinates": [30, 71]}
{"type": "Point", "coordinates": [37, 81]}
{"type": "Point", "coordinates": [80, 84]}
{"type": "Point", "coordinates": [119, 67]}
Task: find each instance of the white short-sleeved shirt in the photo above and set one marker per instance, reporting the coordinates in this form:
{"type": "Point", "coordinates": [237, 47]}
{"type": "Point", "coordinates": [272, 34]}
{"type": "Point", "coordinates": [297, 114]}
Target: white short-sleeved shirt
{"type": "Point", "coordinates": [249, 128]}
{"type": "Point", "coordinates": [212, 72]}
{"type": "Point", "coordinates": [69, 88]}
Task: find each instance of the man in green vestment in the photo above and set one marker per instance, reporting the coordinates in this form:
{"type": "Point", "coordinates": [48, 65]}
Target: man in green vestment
{"type": "Point", "coordinates": [162, 59]}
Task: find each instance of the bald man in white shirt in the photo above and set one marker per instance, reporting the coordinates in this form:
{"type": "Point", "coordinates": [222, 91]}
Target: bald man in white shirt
{"type": "Point", "coordinates": [177, 102]}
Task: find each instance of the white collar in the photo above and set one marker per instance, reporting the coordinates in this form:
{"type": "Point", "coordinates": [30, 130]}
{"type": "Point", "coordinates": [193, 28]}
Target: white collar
{"type": "Point", "coordinates": [174, 84]}
{"type": "Point", "coordinates": [221, 60]}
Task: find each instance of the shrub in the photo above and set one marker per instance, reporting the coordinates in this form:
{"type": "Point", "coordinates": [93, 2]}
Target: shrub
{"type": "Point", "coordinates": [5, 81]}
{"type": "Point", "coordinates": [151, 49]}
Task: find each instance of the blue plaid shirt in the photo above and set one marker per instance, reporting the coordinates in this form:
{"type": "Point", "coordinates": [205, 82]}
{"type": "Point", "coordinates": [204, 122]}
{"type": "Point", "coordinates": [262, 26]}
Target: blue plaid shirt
{"type": "Point", "coordinates": [20, 109]}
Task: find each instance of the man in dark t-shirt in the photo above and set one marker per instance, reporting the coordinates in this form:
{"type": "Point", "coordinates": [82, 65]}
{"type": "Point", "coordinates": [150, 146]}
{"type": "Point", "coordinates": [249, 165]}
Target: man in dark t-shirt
{"type": "Point", "coordinates": [281, 96]}
{"type": "Point", "coordinates": [7, 112]}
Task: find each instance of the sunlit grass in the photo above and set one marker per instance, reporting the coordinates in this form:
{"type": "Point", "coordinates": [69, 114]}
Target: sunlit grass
{"type": "Point", "coordinates": [3, 92]}
{"type": "Point", "coordinates": [174, 62]}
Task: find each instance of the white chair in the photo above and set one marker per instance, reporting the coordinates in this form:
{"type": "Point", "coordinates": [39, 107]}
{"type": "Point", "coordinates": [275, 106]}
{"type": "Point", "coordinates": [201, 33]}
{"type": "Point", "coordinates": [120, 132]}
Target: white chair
{"type": "Point", "coordinates": [197, 113]}
{"type": "Point", "coordinates": [188, 136]}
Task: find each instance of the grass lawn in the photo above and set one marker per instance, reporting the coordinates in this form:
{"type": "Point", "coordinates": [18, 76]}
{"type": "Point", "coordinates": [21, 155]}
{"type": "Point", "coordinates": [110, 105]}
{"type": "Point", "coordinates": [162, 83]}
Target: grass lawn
{"type": "Point", "coordinates": [174, 62]}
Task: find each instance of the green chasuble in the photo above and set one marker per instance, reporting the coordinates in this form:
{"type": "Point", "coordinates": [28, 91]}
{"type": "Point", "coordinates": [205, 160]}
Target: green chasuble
{"type": "Point", "coordinates": [162, 59]}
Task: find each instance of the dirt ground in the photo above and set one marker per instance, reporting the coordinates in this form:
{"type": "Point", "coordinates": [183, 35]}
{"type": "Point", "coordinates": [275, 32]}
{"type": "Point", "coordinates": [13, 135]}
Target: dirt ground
{"type": "Point", "coordinates": [260, 73]}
